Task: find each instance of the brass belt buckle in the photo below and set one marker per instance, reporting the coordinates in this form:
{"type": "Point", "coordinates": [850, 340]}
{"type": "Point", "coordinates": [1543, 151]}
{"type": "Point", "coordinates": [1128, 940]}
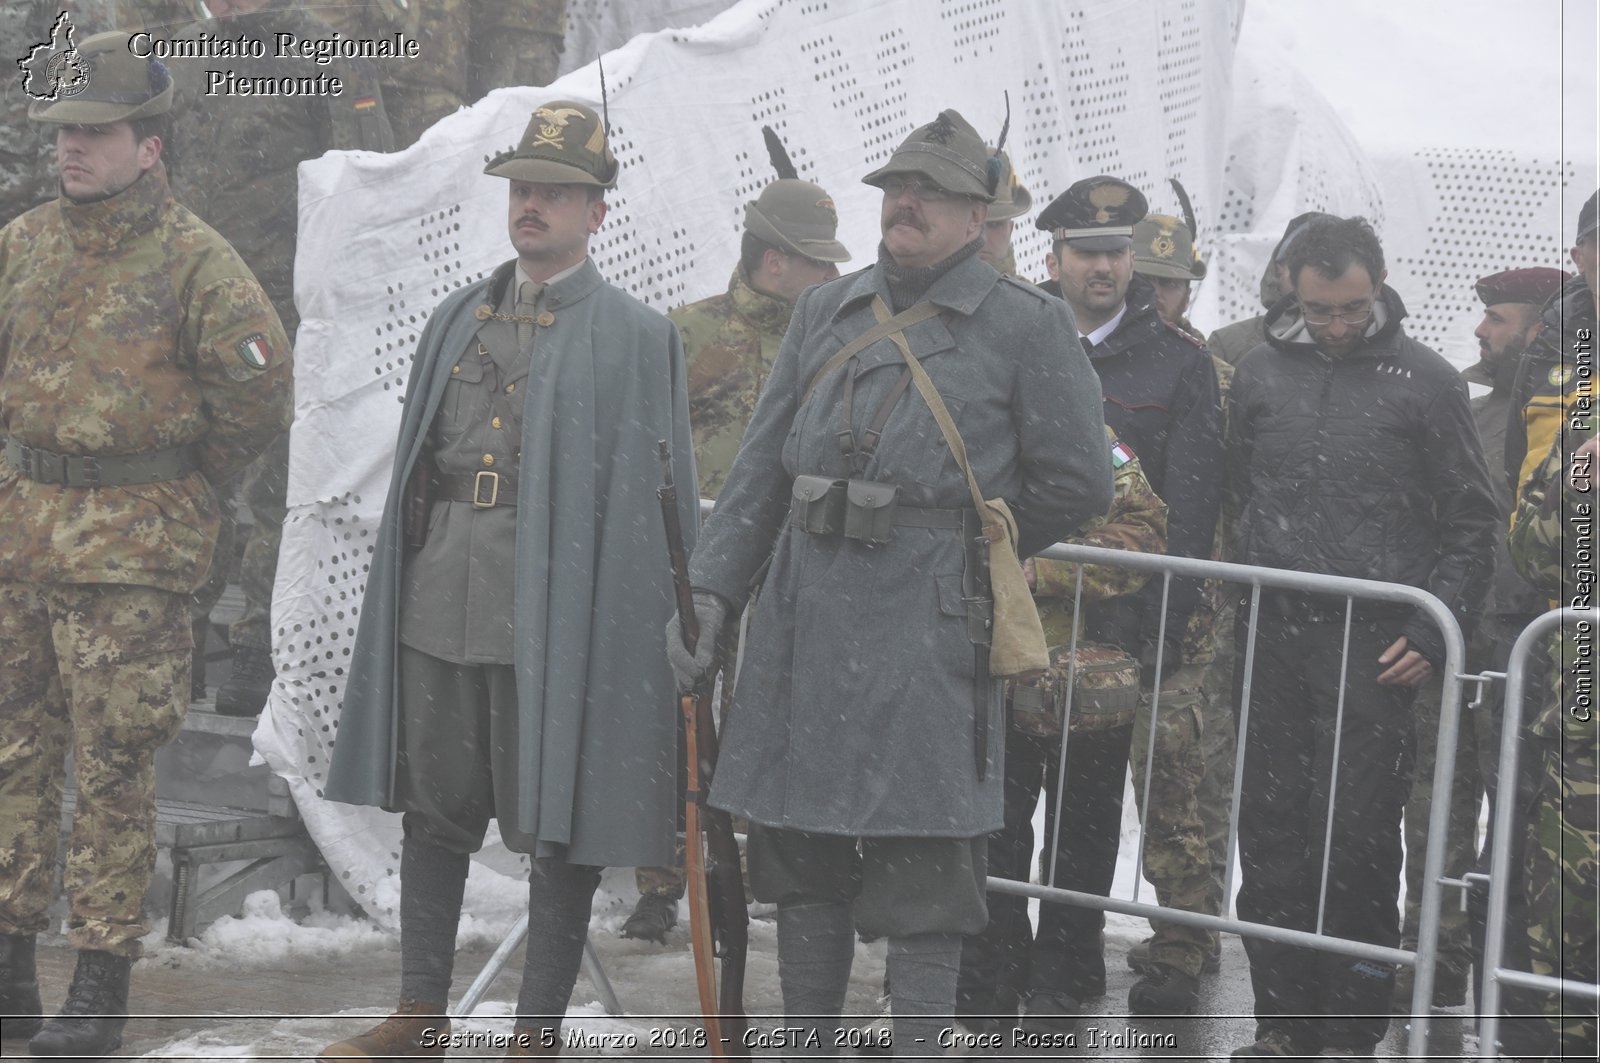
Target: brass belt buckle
{"type": "Point", "coordinates": [478, 501]}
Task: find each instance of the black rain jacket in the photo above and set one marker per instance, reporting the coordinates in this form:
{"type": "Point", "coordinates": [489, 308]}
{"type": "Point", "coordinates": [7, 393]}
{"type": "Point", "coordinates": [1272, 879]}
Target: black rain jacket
{"type": "Point", "coordinates": [1366, 466]}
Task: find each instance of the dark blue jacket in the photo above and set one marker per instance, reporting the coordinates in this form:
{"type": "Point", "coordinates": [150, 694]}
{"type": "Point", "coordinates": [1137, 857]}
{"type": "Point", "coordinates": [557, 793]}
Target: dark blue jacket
{"type": "Point", "coordinates": [1161, 399]}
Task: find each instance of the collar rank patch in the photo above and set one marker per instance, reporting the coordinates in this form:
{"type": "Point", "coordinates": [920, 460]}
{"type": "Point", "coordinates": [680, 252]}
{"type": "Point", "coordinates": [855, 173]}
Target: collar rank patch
{"type": "Point", "coordinates": [252, 351]}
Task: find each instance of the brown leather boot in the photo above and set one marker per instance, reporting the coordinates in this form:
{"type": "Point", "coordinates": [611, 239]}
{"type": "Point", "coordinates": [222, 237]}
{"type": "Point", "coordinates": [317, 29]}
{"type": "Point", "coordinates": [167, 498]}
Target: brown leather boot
{"type": "Point", "coordinates": [527, 1043]}
{"type": "Point", "coordinates": [415, 1031]}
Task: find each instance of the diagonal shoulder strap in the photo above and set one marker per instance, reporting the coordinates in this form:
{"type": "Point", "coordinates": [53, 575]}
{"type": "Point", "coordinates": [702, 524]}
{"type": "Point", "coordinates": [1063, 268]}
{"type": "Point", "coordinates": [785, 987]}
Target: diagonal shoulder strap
{"type": "Point", "coordinates": [941, 414]}
{"type": "Point", "coordinates": [886, 325]}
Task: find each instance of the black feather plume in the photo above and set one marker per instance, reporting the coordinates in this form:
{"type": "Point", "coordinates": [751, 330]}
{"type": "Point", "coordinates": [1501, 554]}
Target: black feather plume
{"type": "Point", "coordinates": [1188, 209]}
{"type": "Point", "coordinates": [605, 104]}
{"type": "Point", "coordinates": [996, 165]}
{"type": "Point", "coordinates": [778, 154]}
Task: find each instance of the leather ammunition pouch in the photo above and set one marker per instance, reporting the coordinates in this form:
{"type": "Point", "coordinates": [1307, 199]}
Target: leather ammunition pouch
{"type": "Point", "coordinates": [862, 510]}
{"type": "Point", "coordinates": [869, 511]}
{"type": "Point", "coordinates": [816, 505]}
{"type": "Point", "coordinates": [1104, 686]}
{"type": "Point", "coordinates": [92, 470]}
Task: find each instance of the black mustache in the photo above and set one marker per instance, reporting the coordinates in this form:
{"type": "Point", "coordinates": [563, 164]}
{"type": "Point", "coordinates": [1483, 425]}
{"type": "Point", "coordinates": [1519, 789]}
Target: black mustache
{"type": "Point", "coordinates": [906, 217]}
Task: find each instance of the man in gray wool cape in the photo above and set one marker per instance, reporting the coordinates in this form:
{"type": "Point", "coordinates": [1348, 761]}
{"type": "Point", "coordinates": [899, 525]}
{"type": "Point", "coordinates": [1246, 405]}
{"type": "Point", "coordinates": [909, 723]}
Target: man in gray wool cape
{"type": "Point", "coordinates": [508, 662]}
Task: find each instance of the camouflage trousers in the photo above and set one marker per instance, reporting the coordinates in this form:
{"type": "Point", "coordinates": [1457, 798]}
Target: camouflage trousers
{"type": "Point", "coordinates": [100, 671]}
{"type": "Point", "coordinates": [1461, 831]}
{"type": "Point", "coordinates": [1176, 859]}
{"type": "Point", "coordinates": [1218, 743]}
{"type": "Point", "coordinates": [1563, 864]}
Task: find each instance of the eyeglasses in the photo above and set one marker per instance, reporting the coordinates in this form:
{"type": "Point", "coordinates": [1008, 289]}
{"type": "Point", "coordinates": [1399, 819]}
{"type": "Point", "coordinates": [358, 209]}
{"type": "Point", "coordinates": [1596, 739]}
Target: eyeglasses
{"type": "Point", "coordinates": [1349, 317]}
{"type": "Point", "coordinates": [921, 189]}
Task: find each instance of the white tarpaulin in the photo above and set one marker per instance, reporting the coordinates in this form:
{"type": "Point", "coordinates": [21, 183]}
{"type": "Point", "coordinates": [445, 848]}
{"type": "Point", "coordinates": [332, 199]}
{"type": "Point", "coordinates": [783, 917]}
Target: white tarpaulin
{"type": "Point", "coordinates": [1143, 90]}
{"type": "Point", "coordinates": [1139, 89]}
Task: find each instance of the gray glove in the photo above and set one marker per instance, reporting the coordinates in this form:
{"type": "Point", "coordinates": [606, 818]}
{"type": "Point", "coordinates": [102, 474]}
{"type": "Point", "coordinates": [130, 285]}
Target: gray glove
{"type": "Point", "coordinates": [710, 611]}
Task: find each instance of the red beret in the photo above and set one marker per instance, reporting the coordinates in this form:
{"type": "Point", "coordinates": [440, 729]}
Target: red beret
{"type": "Point", "coordinates": [1534, 285]}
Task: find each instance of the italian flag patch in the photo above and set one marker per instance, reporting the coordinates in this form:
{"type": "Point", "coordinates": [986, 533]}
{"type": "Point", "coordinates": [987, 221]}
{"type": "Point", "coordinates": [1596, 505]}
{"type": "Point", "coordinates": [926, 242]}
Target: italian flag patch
{"type": "Point", "coordinates": [366, 103]}
{"type": "Point", "coordinates": [1120, 455]}
{"type": "Point", "coordinates": [252, 351]}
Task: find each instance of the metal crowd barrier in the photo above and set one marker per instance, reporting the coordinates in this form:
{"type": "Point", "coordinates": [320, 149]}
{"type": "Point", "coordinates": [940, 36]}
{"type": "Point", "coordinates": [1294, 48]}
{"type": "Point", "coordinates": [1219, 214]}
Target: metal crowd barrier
{"type": "Point", "coordinates": [1425, 955]}
{"type": "Point", "coordinates": [1495, 974]}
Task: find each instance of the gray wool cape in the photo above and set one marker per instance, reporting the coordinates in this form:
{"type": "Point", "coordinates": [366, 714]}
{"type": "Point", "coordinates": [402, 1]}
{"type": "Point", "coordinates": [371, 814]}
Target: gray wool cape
{"type": "Point", "coordinates": [597, 739]}
{"type": "Point", "coordinates": [854, 708]}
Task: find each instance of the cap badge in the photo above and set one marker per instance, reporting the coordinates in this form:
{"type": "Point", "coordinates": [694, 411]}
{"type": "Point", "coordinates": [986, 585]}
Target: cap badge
{"type": "Point", "coordinates": [941, 129]}
{"type": "Point", "coordinates": [1105, 199]}
{"type": "Point", "coordinates": [826, 203]}
{"type": "Point", "coordinates": [552, 127]}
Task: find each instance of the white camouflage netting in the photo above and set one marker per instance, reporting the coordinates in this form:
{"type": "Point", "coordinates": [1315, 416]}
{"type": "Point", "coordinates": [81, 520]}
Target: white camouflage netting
{"type": "Point", "coordinates": [1144, 91]}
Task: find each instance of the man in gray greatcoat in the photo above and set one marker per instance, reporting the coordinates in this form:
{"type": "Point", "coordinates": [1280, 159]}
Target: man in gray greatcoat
{"type": "Point", "coordinates": [865, 741]}
{"type": "Point", "coordinates": [508, 662]}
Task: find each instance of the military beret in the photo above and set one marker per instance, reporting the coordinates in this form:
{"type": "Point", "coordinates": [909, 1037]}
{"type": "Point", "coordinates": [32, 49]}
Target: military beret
{"type": "Point", "coordinates": [1095, 214]}
{"type": "Point", "coordinates": [948, 151]}
{"type": "Point", "coordinates": [797, 216]}
{"type": "Point", "coordinates": [112, 85]}
{"type": "Point", "coordinates": [1163, 247]}
{"type": "Point", "coordinates": [1586, 218]}
{"type": "Point", "coordinates": [564, 144]}
{"type": "Point", "coordinates": [1535, 285]}
{"type": "Point", "coordinates": [1011, 197]}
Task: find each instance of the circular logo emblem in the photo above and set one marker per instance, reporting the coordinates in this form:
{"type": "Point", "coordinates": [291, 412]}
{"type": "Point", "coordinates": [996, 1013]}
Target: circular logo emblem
{"type": "Point", "coordinates": [1560, 375]}
{"type": "Point", "coordinates": [1163, 246]}
{"type": "Point", "coordinates": [69, 72]}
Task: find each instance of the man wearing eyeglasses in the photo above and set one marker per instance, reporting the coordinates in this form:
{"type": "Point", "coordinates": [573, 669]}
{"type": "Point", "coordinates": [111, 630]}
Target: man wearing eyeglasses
{"type": "Point", "coordinates": [1352, 453]}
{"type": "Point", "coordinates": [865, 743]}
{"type": "Point", "coordinates": [508, 665]}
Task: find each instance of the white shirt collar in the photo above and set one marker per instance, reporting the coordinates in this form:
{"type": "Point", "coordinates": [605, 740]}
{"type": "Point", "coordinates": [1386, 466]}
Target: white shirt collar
{"type": "Point", "coordinates": [1098, 335]}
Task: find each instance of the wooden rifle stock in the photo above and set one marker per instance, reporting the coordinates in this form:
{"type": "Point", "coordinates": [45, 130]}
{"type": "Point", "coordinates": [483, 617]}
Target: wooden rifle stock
{"type": "Point", "coordinates": [718, 919]}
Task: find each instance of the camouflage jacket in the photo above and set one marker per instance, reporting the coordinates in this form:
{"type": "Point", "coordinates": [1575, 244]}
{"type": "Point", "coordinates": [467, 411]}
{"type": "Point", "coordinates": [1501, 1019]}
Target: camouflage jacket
{"type": "Point", "coordinates": [128, 326]}
{"type": "Point", "coordinates": [235, 159]}
{"type": "Point", "coordinates": [1551, 509]}
{"type": "Point", "coordinates": [731, 341]}
{"type": "Point", "coordinates": [1136, 521]}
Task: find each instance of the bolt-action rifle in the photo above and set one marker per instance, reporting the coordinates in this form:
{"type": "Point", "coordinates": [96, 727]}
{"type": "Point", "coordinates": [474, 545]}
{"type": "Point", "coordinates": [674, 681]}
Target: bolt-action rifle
{"type": "Point", "coordinates": [719, 923]}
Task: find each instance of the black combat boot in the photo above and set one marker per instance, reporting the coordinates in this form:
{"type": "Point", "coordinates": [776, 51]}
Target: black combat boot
{"type": "Point", "coordinates": [652, 917]}
{"type": "Point", "coordinates": [19, 986]}
{"type": "Point", "coordinates": [245, 692]}
{"type": "Point", "coordinates": [90, 1022]}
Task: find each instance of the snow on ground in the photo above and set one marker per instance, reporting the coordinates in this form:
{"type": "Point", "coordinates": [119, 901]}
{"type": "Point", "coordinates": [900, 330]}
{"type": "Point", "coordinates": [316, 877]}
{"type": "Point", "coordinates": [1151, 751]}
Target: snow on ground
{"type": "Point", "coordinates": [650, 981]}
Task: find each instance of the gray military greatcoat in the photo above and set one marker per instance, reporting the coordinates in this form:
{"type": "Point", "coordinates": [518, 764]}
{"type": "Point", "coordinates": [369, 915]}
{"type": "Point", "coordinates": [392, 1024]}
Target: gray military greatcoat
{"type": "Point", "coordinates": [855, 704]}
{"type": "Point", "coordinates": [596, 743]}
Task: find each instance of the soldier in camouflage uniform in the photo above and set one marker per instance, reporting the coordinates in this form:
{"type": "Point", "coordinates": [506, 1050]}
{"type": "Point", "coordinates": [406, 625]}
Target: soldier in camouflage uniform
{"type": "Point", "coordinates": [730, 341]}
{"type": "Point", "coordinates": [1563, 857]}
{"type": "Point", "coordinates": [1011, 201]}
{"type": "Point", "coordinates": [469, 47]}
{"type": "Point", "coordinates": [995, 964]}
{"type": "Point", "coordinates": [235, 165]}
{"type": "Point", "coordinates": [140, 362]}
{"type": "Point", "coordinates": [1165, 254]}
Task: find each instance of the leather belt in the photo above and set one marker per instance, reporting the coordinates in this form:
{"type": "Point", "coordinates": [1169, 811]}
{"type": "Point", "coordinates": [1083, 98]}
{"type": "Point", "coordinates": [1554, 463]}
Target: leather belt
{"type": "Point", "coordinates": [483, 489]}
{"type": "Point", "coordinates": [93, 470]}
{"type": "Point", "coordinates": [927, 517]}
